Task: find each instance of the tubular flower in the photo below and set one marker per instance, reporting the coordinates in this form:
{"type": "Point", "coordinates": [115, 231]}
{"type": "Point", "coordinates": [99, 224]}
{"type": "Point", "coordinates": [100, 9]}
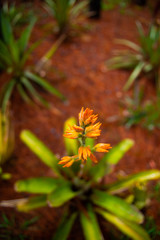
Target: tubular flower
{"type": "Point", "coordinates": [68, 161]}
{"type": "Point", "coordinates": [91, 120]}
{"type": "Point", "coordinates": [93, 131]}
{"type": "Point", "coordinates": [93, 158]}
{"type": "Point", "coordinates": [102, 147]}
{"type": "Point", "coordinates": [73, 132]}
{"type": "Point", "coordinates": [86, 117]}
{"type": "Point", "coordinates": [84, 153]}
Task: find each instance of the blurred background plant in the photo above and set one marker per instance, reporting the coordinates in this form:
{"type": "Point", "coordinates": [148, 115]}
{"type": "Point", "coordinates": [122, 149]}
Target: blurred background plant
{"type": "Point", "coordinates": [17, 15]}
{"type": "Point", "coordinates": [14, 55]}
{"type": "Point", "coordinates": [150, 226]}
{"type": "Point", "coordinates": [11, 230]}
{"type": "Point", "coordinates": [7, 140]}
{"type": "Point", "coordinates": [81, 187]}
{"type": "Point", "coordinates": [111, 4]}
{"type": "Point", "coordinates": [143, 59]}
{"type": "Point", "coordinates": [67, 13]}
{"type": "Point", "coordinates": [139, 112]}
{"type": "Point", "coordinates": [4, 176]}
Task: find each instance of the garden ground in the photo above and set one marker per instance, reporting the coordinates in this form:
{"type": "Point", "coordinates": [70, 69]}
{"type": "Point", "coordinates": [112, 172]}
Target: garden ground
{"type": "Point", "coordinates": [80, 73]}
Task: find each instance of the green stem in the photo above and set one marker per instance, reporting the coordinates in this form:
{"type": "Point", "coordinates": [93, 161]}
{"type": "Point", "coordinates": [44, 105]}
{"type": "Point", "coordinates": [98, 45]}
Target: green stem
{"type": "Point", "coordinates": [82, 141]}
{"type": "Point", "coordinates": [80, 174]}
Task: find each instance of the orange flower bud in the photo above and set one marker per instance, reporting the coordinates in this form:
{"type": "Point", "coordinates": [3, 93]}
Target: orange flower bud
{"type": "Point", "coordinates": [67, 160]}
{"type": "Point", "coordinates": [73, 132]}
{"type": "Point", "coordinates": [93, 131]}
{"type": "Point", "coordinates": [86, 117]}
{"type": "Point", "coordinates": [93, 158]}
{"type": "Point", "coordinates": [84, 153]}
{"type": "Point", "coordinates": [102, 147]}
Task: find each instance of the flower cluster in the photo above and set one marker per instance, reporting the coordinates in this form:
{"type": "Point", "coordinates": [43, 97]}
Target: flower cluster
{"type": "Point", "coordinates": [87, 129]}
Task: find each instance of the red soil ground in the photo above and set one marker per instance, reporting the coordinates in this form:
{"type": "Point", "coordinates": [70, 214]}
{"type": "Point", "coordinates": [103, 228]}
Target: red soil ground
{"type": "Point", "coordinates": [86, 83]}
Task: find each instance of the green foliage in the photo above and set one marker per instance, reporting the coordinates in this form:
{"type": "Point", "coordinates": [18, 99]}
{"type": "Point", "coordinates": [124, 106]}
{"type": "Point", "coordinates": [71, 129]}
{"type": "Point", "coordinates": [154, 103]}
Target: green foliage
{"type": "Point", "coordinates": [84, 195]}
{"type": "Point", "coordinates": [111, 4]}
{"type": "Point", "coordinates": [66, 12]}
{"type": "Point", "coordinates": [150, 227]}
{"type": "Point", "coordinates": [132, 180]}
{"type": "Point", "coordinates": [4, 176]}
{"type": "Point", "coordinates": [116, 206]}
{"type": "Point", "coordinates": [110, 160]}
{"type": "Point", "coordinates": [40, 150]}
{"type": "Point", "coordinates": [17, 14]}
{"type": "Point", "coordinates": [143, 58]}
{"type": "Point", "coordinates": [131, 229]}
{"type": "Point", "coordinates": [13, 57]}
{"type": "Point", "coordinates": [147, 113]}
{"type": "Point", "coordinates": [6, 136]}
{"type": "Point", "coordinates": [10, 230]}
{"type": "Point", "coordinates": [90, 225]}
{"type": "Point", "coordinates": [65, 226]}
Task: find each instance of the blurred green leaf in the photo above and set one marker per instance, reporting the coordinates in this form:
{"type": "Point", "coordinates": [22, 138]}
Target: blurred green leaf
{"type": "Point", "coordinates": [132, 180]}
{"type": "Point", "coordinates": [128, 44]}
{"type": "Point", "coordinates": [71, 145]}
{"type": "Point", "coordinates": [6, 29]}
{"type": "Point", "coordinates": [134, 75]}
{"type": "Point", "coordinates": [38, 185]}
{"type": "Point", "coordinates": [61, 195]}
{"type": "Point", "coordinates": [7, 139]}
{"type": "Point", "coordinates": [23, 93]}
{"type": "Point", "coordinates": [117, 206]}
{"type": "Point", "coordinates": [111, 158]}
{"type": "Point", "coordinates": [35, 95]}
{"type": "Point", "coordinates": [6, 94]}
{"type": "Point", "coordinates": [129, 228]}
{"type": "Point", "coordinates": [6, 176]}
{"type": "Point", "coordinates": [90, 226]}
{"type": "Point", "coordinates": [43, 83]}
{"type": "Point", "coordinates": [65, 226]}
{"type": "Point", "coordinates": [31, 203]}
{"type": "Point", "coordinates": [23, 40]}
{"type": "Point", "coordinates": [40, 150]}
{"type": "Point", "coordinates": [117, 152]}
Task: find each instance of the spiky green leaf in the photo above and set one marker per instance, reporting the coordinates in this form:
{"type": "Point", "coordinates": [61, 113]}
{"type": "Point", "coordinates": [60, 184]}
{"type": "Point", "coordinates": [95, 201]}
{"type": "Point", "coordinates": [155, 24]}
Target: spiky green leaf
{"type": "Point", "coordinates": [117, 206]}
{"type": "Point", "coordinates": [38, 185]}
{"type": "Point", "coordinates": [90, 226]}
{"type": "Point", "coordinates": [40, 150]}
{"type": "Point", "coordinates": [129, 228]}
{"type": "Point", "coordinates": [26, 205]}
{"type": "Point", "coordinates": [132, 180]}
{"type": "Point", "coordinates": [61, 195]}
{"type": "Point", "coordinates": [111, 158]}
{"type": "Point", "coordinates": [65, 227]}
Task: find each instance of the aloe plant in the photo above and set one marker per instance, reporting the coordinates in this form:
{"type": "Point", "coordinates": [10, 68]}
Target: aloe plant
{"type": "Point", "coordinates": [79, 183]}
{"type": "Point", "coordinates": [13, 57]}
{"type": "Point", "coordinates": [65, 12]}
{"type": "Point", "coordinates": [143, 59]}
